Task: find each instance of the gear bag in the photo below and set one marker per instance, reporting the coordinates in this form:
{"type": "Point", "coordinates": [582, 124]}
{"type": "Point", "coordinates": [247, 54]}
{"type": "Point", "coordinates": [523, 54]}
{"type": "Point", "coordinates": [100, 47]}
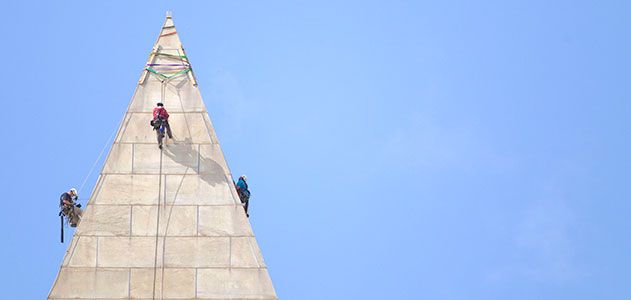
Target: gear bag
{"type": "Point", "coordinates": [156, 123]}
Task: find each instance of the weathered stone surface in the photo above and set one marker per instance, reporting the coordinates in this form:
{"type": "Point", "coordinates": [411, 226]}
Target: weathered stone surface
{"type": "Point", "coordinates": [119, 160]}
{"type": "Point", "coordinates": [199, 190]}
{"type": "Point", "coordinates": [189, 128]}
{"type": "Point", "coordinates": [212, 160]}
{"type": "Point", "coordinates": [105, 220]}
{"type": "Point", "coordinates": [164, 224]}
{"type": "Point", "coordinates": [128, 189]}
{"type": "Point", "coordinates": [87, 283]}
{"type": "Point", "coordinates": [245, 253]}
{"type": "Point", "coordinates": [174, 220]}
{"type": "Point", "coordinates": [179, 283]}
{"type": "Point", "coordinates": [142, 282]}
{"type": "Point", "coordinates": [237, 283]}
{"type": "Point", "coordinates": [82, 252]}
{"type": "Point", "coordinates": [127, 251]}
{"type": "Point", "coordinates": [181, 252]}
{"type": "Point", "coordinates": [223, 221]}
{"type": "Point", "coordinates": [176, 159]}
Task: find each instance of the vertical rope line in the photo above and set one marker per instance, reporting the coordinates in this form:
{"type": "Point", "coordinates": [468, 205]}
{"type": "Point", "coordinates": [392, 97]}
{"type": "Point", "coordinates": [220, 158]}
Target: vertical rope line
{"type": "Point", "coordinates": [155, 261]}
{"type": "Point", "coordinates": [164, 83]}
{"type": "Point", "coordinates": [164, 86]}
{"type": "Point", "coordinates": [168, 222]}
{"type": "Point", "coordinates": [162, 89]}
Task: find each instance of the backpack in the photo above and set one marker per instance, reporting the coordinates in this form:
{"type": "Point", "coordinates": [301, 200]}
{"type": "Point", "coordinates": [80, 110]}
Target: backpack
{"type": "Point", "coordinates": [156, 123]}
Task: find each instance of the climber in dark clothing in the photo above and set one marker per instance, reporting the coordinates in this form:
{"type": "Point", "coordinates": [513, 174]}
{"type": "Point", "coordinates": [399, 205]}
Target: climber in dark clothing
{"type": "Point", "coordinates": [244, 192]}
{"type": "Point", "coordinates": [70, 208]}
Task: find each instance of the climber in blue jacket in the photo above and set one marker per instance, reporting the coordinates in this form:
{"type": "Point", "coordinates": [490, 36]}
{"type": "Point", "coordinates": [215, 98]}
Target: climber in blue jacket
{"type": "Point", "coordinates": [244, 193]}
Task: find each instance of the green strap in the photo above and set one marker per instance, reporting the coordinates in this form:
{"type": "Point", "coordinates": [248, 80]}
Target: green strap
{"type": "Point", "coordinates": [180, 72]}
{"type": "Point", "coordinates": [168, 75]}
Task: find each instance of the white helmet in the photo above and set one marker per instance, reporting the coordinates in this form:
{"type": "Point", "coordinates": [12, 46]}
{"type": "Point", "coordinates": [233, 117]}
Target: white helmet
{"type": "Point", "coordinates": [74, 192]}
{"type": "Point", "coordinates": [244, 178]}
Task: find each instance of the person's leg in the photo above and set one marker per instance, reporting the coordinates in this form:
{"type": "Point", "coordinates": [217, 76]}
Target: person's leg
{"type": "Point", "coordinates": [72, 218]}
{"type": "Point", "coordinates": [159, 137]}
{"type": "Point", "coordinates": [240, 195]}
{"type": "Point", "coordinates": [247, 202]}
{"type": "Point", "coordinates": [75, 216]}
{"type": "Point", "coordinates": [65, 210]}
{"type": "Point", "coordinates": [169, 129]}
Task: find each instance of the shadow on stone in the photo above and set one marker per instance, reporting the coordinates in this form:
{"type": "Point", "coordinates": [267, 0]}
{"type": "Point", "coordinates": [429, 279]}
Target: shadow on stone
{"type": "Point", "coordinates": [187, 155]}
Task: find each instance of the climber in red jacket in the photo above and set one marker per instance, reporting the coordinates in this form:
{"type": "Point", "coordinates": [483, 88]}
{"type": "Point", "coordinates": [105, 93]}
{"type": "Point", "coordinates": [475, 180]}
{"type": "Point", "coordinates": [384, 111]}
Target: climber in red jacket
{"type": "Point", "coordinates": [160, 118]}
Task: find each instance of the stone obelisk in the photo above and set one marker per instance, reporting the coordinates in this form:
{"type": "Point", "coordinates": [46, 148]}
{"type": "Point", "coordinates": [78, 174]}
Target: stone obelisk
{"type": "Point", "coordinates": [164, 224]}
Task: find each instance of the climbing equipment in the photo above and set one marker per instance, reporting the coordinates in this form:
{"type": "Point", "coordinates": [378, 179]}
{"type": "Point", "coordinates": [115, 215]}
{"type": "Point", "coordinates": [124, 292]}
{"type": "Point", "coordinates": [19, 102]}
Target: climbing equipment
{"type": "Point", "coordinates": [85, 179]}
{"type": "Point", "coordinates": [167, 34]}
{"type": "Point", "coordinates": [61, 218]}
{"type": "Point", "coordinates": [70, 212]}
{"type": "Point", "coordinates": [167, 75]}
{"type": "Point", "coordinates": [160, 131]}
{"type": "Point", "coordinates": [155, 261]}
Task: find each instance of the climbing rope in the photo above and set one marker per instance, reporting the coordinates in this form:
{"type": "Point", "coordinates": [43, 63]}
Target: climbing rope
{"type": "Point", "coordinates": [155, 262]}
{"type": "Point", "coordinates": [166, 206]}
{"type": "Point", "coordinates": [166, 76]}
{"type": "Point", "coordinates": [164, 70]}
{"type": "Point", "coordinates": [168, 222]}
{"type": "Point", "coordinates": [96, 161]}
{"type": "Point", "coordinates": [167, 34]}
{"type": "Point", "coordinates": [173, 65]}
{"type": "Point", "coordinates": [163, 87]}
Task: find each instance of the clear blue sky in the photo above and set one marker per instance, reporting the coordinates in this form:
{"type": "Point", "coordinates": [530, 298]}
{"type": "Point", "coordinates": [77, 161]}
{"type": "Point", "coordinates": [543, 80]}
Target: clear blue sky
{"type": "Point", "coordinates": [395, 149]}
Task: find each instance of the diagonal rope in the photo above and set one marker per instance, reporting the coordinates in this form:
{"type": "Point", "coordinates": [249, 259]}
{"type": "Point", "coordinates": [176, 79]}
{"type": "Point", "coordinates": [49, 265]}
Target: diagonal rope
{"type": "Point", "coordinates": [170, 75]}
{"type": "Point", "coordinates": [167, 34]}
{"type": "Point", "coordinates": [96, 161]}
